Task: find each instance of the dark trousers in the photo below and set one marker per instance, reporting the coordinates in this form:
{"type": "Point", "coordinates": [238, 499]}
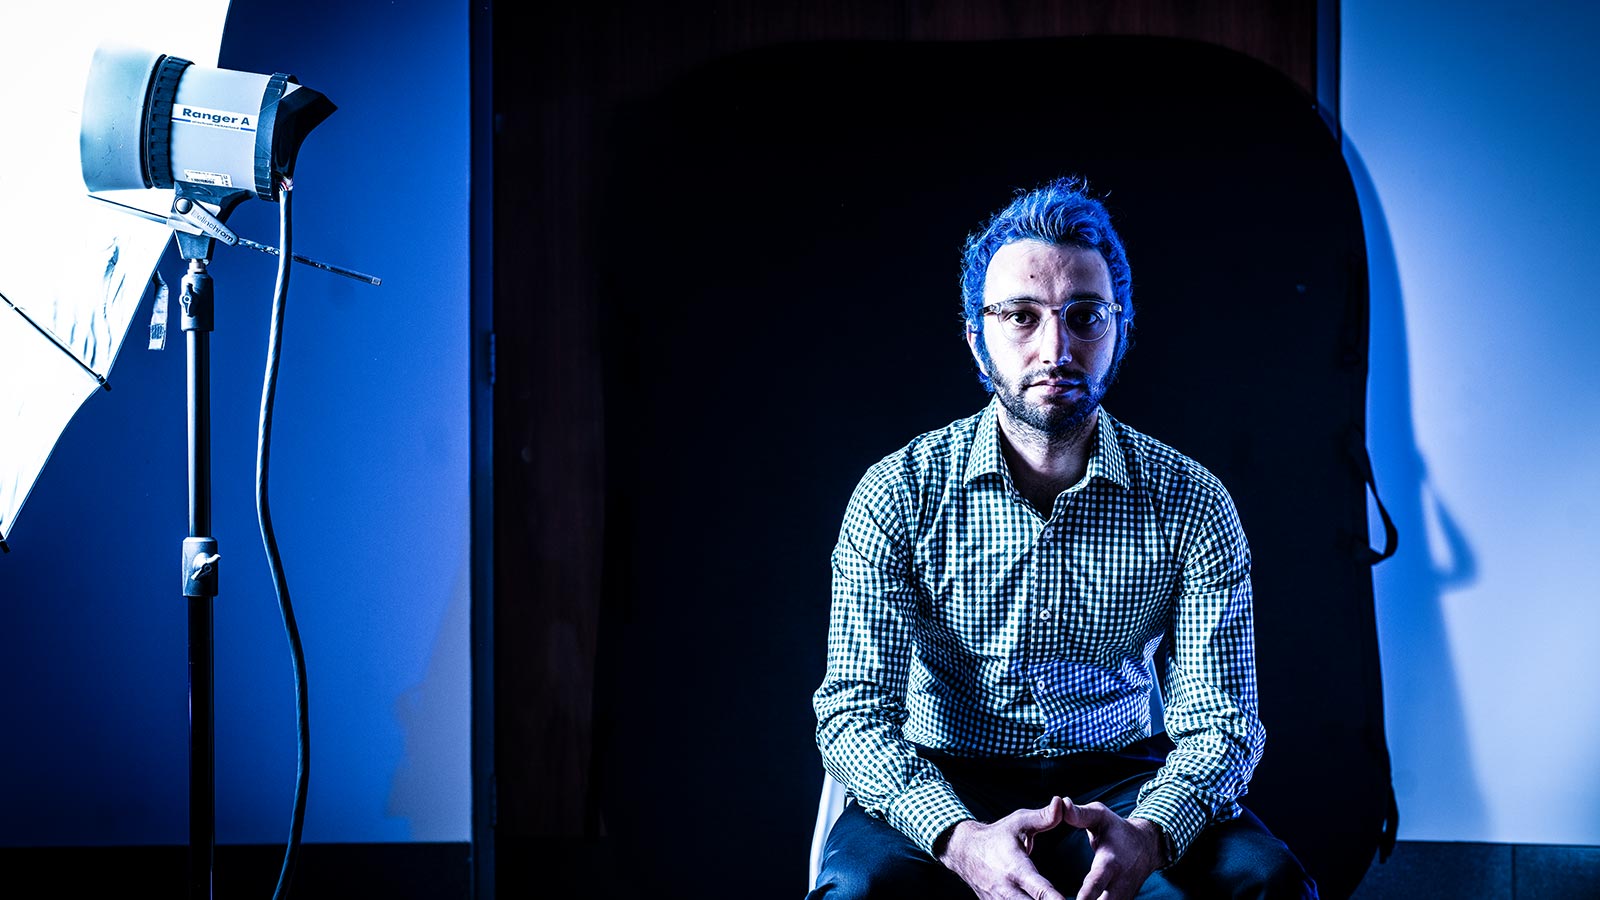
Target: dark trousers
{"type": "Point", "coordinates": [865, 857]}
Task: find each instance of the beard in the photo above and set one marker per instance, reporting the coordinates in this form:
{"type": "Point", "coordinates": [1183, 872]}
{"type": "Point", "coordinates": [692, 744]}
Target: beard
{"type": "Point", "coordinates": [1057, 421]}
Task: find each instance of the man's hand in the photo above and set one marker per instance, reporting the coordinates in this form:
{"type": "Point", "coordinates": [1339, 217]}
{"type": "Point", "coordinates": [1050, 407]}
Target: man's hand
{"type": "Point", "coordinates": [993, 859]}
{"type": "Point", "coordinates": [1126, 851]}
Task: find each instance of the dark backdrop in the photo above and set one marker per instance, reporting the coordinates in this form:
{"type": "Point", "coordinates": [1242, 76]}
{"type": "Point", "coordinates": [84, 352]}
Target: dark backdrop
{"type": "Point", "coordinates": [560, 74]}
{"type": "Point", "coordinates": [779, 309]}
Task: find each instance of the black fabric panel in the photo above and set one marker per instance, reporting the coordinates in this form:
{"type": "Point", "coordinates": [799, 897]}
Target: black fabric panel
{"type": "Point", "coordinates": [781, 237]}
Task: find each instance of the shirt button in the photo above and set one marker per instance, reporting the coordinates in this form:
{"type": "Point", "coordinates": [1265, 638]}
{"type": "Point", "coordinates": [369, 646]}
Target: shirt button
{"type": "Point", "coordinates": [1044, 613]}
{"type": "Point", "coordinates": [1041, 684]}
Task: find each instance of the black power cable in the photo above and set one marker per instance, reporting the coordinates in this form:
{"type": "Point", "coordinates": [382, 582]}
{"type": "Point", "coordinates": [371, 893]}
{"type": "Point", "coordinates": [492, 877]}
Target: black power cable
{"type": "Point", "coordinates": [269, 390]}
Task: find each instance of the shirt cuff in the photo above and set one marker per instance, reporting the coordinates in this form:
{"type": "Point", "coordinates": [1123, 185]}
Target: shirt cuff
{"type": "Point", "coordinates": [1178, 811]}
{"type": "Point", "coordinates": [926, 811]}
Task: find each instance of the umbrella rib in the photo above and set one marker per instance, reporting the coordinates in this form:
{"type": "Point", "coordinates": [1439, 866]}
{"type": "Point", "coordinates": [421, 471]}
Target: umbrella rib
{"type": "Point", "coordinates": [57, 341]}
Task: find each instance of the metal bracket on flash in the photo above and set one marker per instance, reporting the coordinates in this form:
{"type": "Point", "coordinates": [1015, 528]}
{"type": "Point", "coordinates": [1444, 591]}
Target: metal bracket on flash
{"type": "Point", "coordinates": [193, 237]}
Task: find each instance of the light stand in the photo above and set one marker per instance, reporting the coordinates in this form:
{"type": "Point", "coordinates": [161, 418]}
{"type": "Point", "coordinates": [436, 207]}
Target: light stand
{"type": "Point", "coordinates": [216, 137]}
{"type": "Point", "coordinates": [200, 556]}
{"type": "Point", "coordinates": [197, 221]}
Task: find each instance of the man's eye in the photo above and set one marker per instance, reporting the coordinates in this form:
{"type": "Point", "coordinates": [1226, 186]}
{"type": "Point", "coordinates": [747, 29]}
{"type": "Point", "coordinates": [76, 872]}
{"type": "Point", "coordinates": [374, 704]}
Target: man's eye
{"type": "Point", "coordinates": [1084, 318]}
{"type": "Point", "coordinates": [1021, 318]}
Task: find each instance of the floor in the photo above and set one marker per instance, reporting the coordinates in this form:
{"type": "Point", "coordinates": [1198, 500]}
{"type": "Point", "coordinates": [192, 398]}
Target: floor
{"type": "Point", "coordinates": [1418, 870]}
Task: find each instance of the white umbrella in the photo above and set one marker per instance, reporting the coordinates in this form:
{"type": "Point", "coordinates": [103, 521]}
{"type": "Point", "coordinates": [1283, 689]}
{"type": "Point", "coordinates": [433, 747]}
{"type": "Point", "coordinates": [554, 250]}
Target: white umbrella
{"type": "Point", "coordinates": [72, 271]}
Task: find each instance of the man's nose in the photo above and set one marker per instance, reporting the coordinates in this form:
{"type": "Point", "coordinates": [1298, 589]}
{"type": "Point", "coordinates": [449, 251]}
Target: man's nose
{"type": "Point", "coordinates": [1054, 344]}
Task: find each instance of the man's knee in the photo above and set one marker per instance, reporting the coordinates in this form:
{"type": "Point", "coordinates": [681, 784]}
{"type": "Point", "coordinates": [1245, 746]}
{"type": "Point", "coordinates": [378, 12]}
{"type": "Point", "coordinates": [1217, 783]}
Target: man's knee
{"type": "Point", "coordinates": [852, 881]}
{"type": "Point", "coordinates": [866, 858]}
{"type": "Point", "coordinates": [1242, 858]}
{"type": "Point", "coordinates": [1273, 873]}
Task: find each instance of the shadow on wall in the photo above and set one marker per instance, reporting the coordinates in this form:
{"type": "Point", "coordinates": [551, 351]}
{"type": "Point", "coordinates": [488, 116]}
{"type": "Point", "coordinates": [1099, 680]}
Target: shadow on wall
{"type": "Point", "coordinates": [1427, 732]}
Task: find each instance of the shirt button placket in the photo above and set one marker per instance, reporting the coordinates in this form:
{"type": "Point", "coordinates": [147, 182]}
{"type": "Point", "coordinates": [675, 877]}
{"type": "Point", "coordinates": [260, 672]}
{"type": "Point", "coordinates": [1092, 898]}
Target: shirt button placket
{"type": "Point", "coordinates": [1038, 637]}
{"type": "Point", "coordinates": [1058, 575]}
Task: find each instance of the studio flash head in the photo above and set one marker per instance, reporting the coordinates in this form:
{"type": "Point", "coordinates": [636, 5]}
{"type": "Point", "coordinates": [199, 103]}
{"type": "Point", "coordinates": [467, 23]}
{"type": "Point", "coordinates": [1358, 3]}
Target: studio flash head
{"type": "Point", "coordinates": [157, 121]}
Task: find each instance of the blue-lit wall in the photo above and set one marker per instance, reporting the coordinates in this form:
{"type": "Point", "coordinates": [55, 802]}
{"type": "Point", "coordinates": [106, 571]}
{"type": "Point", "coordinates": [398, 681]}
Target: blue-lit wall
{"type": "Point", "coordinates": [1472, 130]}
{"type": "Point", "coordinates": [369, 494]}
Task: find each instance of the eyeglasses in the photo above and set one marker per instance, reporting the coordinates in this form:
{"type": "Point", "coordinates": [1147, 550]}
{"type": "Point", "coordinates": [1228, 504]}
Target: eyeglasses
{"type": "Point", "coordinates": [1022, 321]}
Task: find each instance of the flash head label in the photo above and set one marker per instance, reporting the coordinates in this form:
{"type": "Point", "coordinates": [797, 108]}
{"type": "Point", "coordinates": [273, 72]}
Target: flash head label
{"type": "Point", "coordinates": [213, 118]}
{"type": "Point", "coordinates": [215, 179]}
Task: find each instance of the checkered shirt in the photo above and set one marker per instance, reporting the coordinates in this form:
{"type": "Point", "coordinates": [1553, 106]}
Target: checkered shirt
{"type": "Point", "coordinates": [964, 621]}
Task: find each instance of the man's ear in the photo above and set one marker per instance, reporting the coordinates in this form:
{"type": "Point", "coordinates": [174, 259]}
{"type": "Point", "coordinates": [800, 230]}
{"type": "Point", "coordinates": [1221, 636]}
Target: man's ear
{"type": "Point", "coordinates": [973, 337]}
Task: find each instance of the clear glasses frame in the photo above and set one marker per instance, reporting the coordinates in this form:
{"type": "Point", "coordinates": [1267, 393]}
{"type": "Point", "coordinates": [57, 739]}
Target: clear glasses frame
{"type": "Point", "coordinates": [1021, 321]}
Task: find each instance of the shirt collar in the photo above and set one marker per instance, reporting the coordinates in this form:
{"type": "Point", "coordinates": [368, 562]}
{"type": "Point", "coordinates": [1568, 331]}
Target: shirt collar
{"type": "Point", "coordinates": [1105, 456]}
{"type": "Point", "coordinates": [1107, 460]}
{"type": "Point", "coordinates": [984, 459]}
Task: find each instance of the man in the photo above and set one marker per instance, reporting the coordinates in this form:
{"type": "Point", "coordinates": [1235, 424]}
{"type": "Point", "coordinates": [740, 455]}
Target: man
{"type": "Point", "coordinates": [1001, 589]}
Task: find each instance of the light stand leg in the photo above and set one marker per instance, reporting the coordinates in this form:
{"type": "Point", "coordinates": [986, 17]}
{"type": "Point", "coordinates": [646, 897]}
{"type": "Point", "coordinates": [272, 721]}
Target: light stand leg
{"type": "Point", "coordinates": [200, 578]}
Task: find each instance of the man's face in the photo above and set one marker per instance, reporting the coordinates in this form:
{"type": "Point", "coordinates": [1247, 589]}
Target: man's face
{"type": "Point", "coordinates": [1052, 383]}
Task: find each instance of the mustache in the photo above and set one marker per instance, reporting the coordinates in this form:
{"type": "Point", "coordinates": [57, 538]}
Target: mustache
{"type": "Point", "coordinates": [1057, 375]}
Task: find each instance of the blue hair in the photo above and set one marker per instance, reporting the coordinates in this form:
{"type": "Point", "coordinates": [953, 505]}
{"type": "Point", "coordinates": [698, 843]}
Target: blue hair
{"type": "Point", "coordinates": [1060, 212]}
